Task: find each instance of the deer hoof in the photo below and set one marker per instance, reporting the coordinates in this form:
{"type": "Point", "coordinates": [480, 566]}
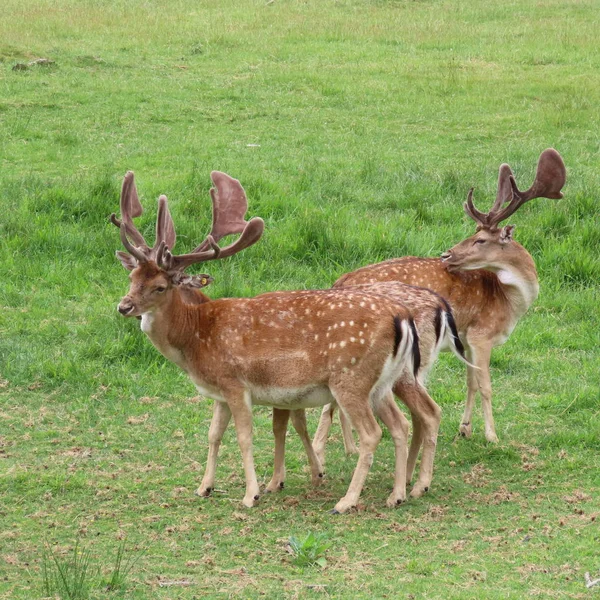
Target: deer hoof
{"type": "Point", "coordinates": [274, 487]}
{"type": "Point", "coordinates": [465, 430]}
{"type": "Point", "coordinates": [250, 501]}
{"type": "Point", "coordinates": [418, 490]}
{"type": "Point", "coordinates": [394, 500]}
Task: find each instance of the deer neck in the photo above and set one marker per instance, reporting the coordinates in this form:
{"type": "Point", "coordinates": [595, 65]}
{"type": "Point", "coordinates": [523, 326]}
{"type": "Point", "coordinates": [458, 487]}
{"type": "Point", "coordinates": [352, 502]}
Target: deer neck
{"type": "Point", "coordinates": [518, 278]}
{"type": "Point", "coordinates": [168, 327]}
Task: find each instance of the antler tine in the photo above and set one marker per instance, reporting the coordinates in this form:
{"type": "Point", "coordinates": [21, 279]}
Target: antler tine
{"type": "Point", "coordinates": [251, 234]}
{"type": "Point", "coordinates": [130, 208]}
{"type": "Point", "coordinates": [135, 252]}
{"type": "Point", "coordinates": [477, 216]}
{"type": "Point", "coordinates": [165, 228]}
{"type": "Point", "coordinates": [504, 193]}
{"type": "Point", "coordinates": [549, 179]}
{"type": "Point", "coordinates": [183, 261]}
{"type": "Point", "coordinates": [163, 256]}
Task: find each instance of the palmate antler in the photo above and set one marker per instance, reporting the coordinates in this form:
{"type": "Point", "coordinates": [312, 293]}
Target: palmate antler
{"type": "Point", "coordinates": [549, 179]}
{"type": "Point", "coordinates": [229, 208]}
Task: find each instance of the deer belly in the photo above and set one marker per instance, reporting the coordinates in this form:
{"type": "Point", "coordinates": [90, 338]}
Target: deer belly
{"type": "Point", "coordinates": [209, 391]}
{"type": "Point", "coordinates": [291, 398]}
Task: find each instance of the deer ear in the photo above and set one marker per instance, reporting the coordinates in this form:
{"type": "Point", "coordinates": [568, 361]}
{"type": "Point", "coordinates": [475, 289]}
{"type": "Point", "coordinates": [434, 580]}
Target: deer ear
{"type": "Point", "coordinates": [195, 281]}
{"type": "Point", "coordinates": [506, 234]}
{"type": "Point", "coordinates": [200, 281]}
{"type": "Point", "coordinates": [128, 261]}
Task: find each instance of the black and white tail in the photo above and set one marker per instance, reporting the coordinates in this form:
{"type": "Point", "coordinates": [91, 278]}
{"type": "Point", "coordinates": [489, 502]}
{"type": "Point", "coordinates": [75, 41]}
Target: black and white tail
{"type": "Point", "coordinates": [447, 333]}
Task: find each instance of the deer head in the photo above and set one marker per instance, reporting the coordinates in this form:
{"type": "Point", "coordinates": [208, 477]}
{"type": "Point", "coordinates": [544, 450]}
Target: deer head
{"type": "Point", "coordinates": [491, 245]}
{"type": "Point", "coordinates": [155, 271]}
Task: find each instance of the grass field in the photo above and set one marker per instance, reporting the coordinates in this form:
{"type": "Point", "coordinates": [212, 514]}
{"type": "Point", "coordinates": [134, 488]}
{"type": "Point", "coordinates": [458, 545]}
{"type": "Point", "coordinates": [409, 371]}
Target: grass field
{"type": "Point", "coordinates": [357, 128]}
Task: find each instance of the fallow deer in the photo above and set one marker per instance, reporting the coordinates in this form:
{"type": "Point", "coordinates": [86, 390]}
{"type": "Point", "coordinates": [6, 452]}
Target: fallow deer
{"type": "Point", "coordinates": [489, 279]}
{"type": "Point", "coordinates": [436, 330]}
{"type": "Point", "coordinates": [289, 350]}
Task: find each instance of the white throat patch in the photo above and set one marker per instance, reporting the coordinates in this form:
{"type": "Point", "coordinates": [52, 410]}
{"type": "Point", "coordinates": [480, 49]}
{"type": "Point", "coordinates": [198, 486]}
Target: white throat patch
{"type": "Point", "coordinates": [147, 321]}
{"type": "Point", "coordinates": [528, 290]}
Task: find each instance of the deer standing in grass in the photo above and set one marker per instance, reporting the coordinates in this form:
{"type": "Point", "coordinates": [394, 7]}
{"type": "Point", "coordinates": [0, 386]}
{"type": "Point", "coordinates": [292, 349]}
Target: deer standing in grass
{"type": "Point", "coordinates": [489, 279]}
{"type": "Point", "coordinates": [436, 328]}
{"type": "Point", "coordinates": [288, 350]}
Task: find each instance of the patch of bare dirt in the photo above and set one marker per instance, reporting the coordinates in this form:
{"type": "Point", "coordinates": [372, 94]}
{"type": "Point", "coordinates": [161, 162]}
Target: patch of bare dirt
{"type": "Point", "coordinates": [138, 420]}
{"type": "Point", "coordinates": [478, 476]}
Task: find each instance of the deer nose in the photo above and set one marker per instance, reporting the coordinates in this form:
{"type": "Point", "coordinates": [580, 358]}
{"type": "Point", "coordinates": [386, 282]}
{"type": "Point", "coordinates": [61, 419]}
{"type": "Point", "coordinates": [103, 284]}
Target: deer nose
{"type": "Point", "coordinates": [446, 255]}
{"type": "Point", "coordinates": [125, 307]}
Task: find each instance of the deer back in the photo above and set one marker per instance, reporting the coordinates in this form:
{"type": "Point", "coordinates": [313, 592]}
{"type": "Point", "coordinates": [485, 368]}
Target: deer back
{"type": "Point", "coordinates": [433, 317]}
{"type": "Point", "coordinates": [470, 293]}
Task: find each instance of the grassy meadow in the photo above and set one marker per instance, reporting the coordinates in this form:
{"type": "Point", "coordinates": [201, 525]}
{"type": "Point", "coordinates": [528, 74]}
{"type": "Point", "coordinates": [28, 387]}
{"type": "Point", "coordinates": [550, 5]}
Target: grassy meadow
{"type": "Point", "coordinates": [357, 128]}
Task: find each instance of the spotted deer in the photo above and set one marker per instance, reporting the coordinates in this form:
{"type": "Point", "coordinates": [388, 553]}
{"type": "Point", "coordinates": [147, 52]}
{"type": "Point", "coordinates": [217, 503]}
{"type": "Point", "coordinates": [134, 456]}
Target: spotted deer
{"type": "Point", "coordinates": [489, 279]}
{"type": "Point", "coordinates": [436, 328]}
{"type": "Point", "coordinates": [288, 350]}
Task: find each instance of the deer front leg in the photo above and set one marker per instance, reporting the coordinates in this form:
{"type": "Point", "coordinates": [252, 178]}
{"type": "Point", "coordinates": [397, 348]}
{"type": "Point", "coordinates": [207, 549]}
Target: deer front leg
{"type": "Point", "coordinates": [280, 423]}
{"type": "Point", "coordinates": [349, 445]}
{"type": "Point", "coordinates": [397, 424]}
{"type": "Point", "coordinates": [466, 425]}
{"type": "Point", "coordinates": [218, 425]}
{"type": "Point", "coordinates": [299, 423]}
{"type": "Point", "coordinates": [484, 381]}
{"type": "Point", "coordinates": [323, 428]}
{"type": "Point", "coordinates": [240, 404]}
{"type": "Point", "coordinates": [479, 379]}
{"type": "Point", "coordinates": [322, 432]}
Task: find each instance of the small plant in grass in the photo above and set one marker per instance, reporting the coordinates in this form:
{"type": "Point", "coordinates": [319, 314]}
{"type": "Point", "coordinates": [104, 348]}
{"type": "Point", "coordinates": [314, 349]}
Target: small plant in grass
{"type": "Point", "coordinates": [121, 569]}
{"type": "Point", "coordinates": [310, 551]}
{"type": "Point", "coordinates": [68, 578]}
{"type": "Point", "coordinates": [74, 577]}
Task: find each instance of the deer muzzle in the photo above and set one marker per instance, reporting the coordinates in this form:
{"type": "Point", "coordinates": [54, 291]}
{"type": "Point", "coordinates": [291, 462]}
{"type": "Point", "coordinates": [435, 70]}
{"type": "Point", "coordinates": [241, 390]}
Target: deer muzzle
{"type": "Point", "coordinates": [126, 307]}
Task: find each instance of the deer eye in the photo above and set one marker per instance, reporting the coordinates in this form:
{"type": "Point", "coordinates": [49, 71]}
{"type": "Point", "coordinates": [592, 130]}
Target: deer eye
{"type": "Point", "coordinates": [160, 289]}
{"type": "Point", "coordinates": [479, 242]}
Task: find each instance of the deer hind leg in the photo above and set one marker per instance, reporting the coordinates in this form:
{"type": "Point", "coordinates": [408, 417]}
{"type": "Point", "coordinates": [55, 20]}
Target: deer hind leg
{"type": "Point", "coordinates": [218, 425]}
{"type": "Point", "coordinates": [415, 445]}
{"type": "Point", "coordinates": [280, 423]}
{"type": "Point", "coordinates": [397, 424]}
{"type": "Point", "coordinates": [426, 418]}
{"type": "Point", "coordinates": [299, 423]}
{"type": "Point", "coordinates": [369, 433]}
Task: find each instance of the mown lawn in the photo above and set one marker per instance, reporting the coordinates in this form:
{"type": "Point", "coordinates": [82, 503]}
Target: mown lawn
{"type": "Point", "coordinates": [357, 129]}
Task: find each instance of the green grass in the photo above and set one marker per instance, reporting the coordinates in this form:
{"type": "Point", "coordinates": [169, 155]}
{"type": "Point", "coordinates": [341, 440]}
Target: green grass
{"type": "Point", "coordinates": [356, 128]}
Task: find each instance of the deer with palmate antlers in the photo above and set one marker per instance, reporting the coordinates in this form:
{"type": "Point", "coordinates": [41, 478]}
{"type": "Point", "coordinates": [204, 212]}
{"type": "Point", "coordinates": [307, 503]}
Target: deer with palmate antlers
{"type": "Point", "coordinates": [489, 279]}
{"type": "Point", "coordinates": [288, 350]}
